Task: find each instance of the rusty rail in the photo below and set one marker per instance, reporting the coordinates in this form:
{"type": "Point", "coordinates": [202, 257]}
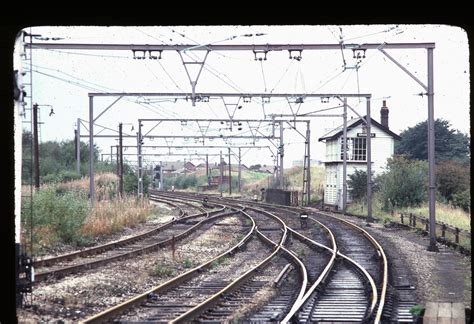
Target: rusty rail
{"type": "Point", "coordinates": [120, 308]}
{"type": "Point", "coordinates": [198, 309]}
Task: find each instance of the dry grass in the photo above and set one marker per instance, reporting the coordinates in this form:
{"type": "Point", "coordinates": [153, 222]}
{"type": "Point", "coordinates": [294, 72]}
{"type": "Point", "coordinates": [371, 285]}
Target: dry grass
{"type": "Point", "coordinates": [256, 185]}
{"type": "Point", "coordinates": [111, 216]}
{"type": "Point", "coordinates": [444, 213]}
{"type": "Point", "coordinates": [105, 185]}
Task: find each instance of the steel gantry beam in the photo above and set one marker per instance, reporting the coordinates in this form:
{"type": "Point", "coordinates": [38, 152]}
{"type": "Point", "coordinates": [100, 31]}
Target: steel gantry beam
{"type": "Point", "coordinates": [185, 95]}
{"type": "Point", "coordinates": [238, 121]}
{"type": "Point", "coordinates": [236, 47]}
{"type": "Point", "coordinates": [265, 48]}
{"type": "Point", "coordinates": [194, 146]}
{"type": "Point", "coordinates": [168, 154]}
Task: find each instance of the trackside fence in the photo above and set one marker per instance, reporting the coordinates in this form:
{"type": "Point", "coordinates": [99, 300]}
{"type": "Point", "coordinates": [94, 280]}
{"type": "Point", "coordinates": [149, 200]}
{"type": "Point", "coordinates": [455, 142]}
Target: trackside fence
{"type": "Point", "coordinates": [450, 235]}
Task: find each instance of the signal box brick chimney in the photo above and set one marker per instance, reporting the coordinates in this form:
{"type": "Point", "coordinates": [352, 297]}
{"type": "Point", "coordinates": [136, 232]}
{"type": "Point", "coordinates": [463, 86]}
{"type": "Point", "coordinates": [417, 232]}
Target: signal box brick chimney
{"type": "Point", "coordinates": [384, 114]}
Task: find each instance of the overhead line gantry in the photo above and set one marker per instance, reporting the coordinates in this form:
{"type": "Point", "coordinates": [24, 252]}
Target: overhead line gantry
{"type": "Point", "coordinates": [259, 49]}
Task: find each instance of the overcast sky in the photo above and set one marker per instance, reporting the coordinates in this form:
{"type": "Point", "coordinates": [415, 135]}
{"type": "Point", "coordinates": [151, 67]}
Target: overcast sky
{"type": "Point", "coordinates": [63, 78]}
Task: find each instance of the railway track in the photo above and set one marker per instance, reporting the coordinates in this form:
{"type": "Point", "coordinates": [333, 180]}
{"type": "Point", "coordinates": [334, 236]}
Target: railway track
{"type": "Point", "coordinates": [207, 288]}
{"type": "Point", "coordinates": [284, 294]}
{"type": "Point", "coordinates": [350, 284]}
{"type": "Point", "coordinates": [355, 287]}
{"type": "Point", "coordinates": [340, 269]}
{"type": "Point", "coordinates": [151, 240]}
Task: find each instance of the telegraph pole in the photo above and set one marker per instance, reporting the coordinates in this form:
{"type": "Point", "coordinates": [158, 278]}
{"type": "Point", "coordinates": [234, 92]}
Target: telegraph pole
{"type": "Point", "coordinates": [162, 180]}
{"type": "Point", "coordinates": [139, 152]}
{"type": "Point", "coordinates": [230, 175]}
{"type": "Point", "coordinates": [120, 161]}
{"type": "Point", "coordinates": [431, 154]}
{"type": "Point", "coordinates": [344, 159]}
{"type": "Point", "coordinates": [207, 170]}
{"type": "Point", "coordinates": [308, 171]}
{"type": "Point", "coordinates": [221, 175]}
{"type": "Point", "coordinates": [91, 150]}
{"type": "Point", "coordinates": [369, 165]}
{"type": "Point", "coordinates": [78, 147]}
{"type": "Point", "coordinates": [240, 173]}
{"type": "Point", "coordinates": [282, 153]}
{"type": "Point", "coordinates": [36, 146]}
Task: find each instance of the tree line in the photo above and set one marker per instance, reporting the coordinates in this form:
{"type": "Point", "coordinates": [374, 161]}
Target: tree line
{"type": "Point", "coordinates": [57, 163]}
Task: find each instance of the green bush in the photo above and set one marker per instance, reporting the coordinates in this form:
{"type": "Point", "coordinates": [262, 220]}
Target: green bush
{"type": "Point", "coordinates": [416, 310]}
{"type": "Point", "coordinates": [161, 270]}
{"type": "Point", "coordinates": [404, 184]}
{"type": "Point", "coordinates": [452, 178]}
{"type": "Point", "coordinates": [182, 181]}
{"type": "Point", "coordinates": [66, 176]}
{"type": "Point", "coordinates": [63, 212]}
{"type": "Point", "coordinates": [130, 182]}
{"type": "Point", "coordinates": [463, 199]}
{"type": "Point", "coordinates": [61, 176]}
{"type": "Point", "coordinates": [358, 182]}
{"type": "Point", "coordinates": [50, 178]}
{"type": "Point", "coordinates": [188, 263]}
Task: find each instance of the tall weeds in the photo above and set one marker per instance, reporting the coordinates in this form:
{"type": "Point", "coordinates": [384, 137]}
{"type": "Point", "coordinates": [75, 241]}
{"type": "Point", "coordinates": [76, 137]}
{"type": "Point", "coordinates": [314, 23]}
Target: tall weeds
{"type": "Point", "coordinates": [61, 213]}
{"type": "Point", "coordinates": [108, 217]}
{"type": "Point", "coordinates": [444, 213]}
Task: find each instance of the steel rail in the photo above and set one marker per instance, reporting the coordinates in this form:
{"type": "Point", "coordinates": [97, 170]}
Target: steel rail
{"type": "Point", "coordinates": [381, 253]}
{"type": "Point", "coordinates": [169, 202]}
{"type": "Point", "coordinates": [207, 303]}
{"type": "Point", "coordinates": [304, 272]}
{"type": "Point", "coordinates": [176, 200]}
{"type": "Point", "coordinates": [116, 310]}
{"type": "Point", "coordinates": [379, 249]}
{"type": "Point", "coordinates": [198, 309]}
{"type": "Point", "coordinates": [322, 276]}
{"type": "Point", "coordinates": [181, 209]}
{"type": "Point", "coordinates": [355, 263]}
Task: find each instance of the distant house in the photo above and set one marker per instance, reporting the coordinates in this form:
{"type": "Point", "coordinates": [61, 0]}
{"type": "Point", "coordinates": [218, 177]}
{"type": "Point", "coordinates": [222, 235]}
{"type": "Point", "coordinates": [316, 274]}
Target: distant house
{"type": "Point", "coordinates": [382, 147]}
{"type": "Point", "coordinates": [178, 167]}
{"type": "Point", "coordinates": [201, 166]}
{"type": "Point", "coordinates": [189, 166]}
